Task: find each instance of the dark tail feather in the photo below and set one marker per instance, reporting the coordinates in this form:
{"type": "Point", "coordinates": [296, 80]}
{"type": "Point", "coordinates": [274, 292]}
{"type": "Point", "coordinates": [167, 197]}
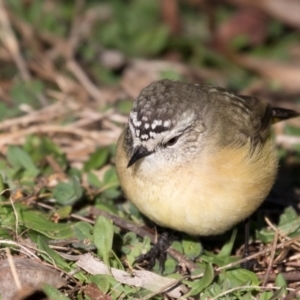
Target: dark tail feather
{"type": "Point", "coordinates": [279, 114]}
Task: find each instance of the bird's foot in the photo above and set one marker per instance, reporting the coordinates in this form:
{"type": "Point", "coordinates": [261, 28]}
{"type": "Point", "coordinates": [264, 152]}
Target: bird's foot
{"type": "Point", "coordinates": [248, 264]}
{"type": "Point", "coordinates": [158, 251]}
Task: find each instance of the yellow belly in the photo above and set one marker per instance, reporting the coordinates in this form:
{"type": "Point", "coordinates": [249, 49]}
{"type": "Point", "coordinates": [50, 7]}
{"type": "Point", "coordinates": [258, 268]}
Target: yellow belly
{"type": "Point", "coordinates": [204, 197]}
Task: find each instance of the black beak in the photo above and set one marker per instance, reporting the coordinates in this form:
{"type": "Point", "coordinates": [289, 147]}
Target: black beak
{"type": "Point", "coordinates": [139, 152]}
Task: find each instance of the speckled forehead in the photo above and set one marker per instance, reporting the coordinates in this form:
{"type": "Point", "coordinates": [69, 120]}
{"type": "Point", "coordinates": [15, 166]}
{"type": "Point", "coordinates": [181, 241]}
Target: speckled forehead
{"type": "Point", "coordinates": [146, 126]}
{"type": "Point", "coordinates": [152, 113]}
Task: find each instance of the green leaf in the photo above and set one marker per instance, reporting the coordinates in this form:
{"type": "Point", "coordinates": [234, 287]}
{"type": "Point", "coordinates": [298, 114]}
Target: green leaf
{"type": "Point", "coordinates": [38, 147]}
{"type": "Point", "coordinates": [5, 234]}
{"type": "Point", "coordinates": [288, 215]}
{"type": "Point", "coordinates": [265, 295]}
{"type": "Point", "coordinates": [67, 193]}
{"type": "Point", "coordinates": [177, 246]}
{"type": "Point", "coordinates": [52, 255]}
{"type": "Point", "coordinates": [93, 180]}
{"type": "Point", "coordinates": [83, 231]}
{"type": "Point", "coordinates": [19, 159]}
{"type": "Point", "coordinates": [199, 285]}
{"type": "Point", "coordinates": [227, 248]}
{"type": "Point", "coordinates": [54, 293]}
{"type": "Point", "coordinates": [36, 221]}
{"type": "Point", "coordinates": [192, 247]}
{"type": "Point", "coordinates": [64, 212]}
{"type": "Point", "coordinates": [288, 222]}
{"type": "Point", "coordinates": [7, 217]}
{"type": "Point", "coordinates": [110, 184]}
{"type": "Point", "coordinates": [216, 260]}
{"type": "Point", "coordinates": [171, 266]}
{"type": "Point", "coordinates": [97, 159]}
{"type": "Point", "coordinates": [110, 177]}
{"type": "Point", "coordinates": [240, 277]}
{"type": "Point", "coordinates": [132, 246]}
{"type": "Point", "coordinates": [103, 237]}
{"type": "Point", "coordinates": [278, 294]}
{"type": "Point", "coordinates": [280, 281]}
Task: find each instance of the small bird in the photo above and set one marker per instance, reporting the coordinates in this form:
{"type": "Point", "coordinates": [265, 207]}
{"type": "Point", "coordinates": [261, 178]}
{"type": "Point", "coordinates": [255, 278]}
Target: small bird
{"type": "Point", "coordinates": [197, 158]}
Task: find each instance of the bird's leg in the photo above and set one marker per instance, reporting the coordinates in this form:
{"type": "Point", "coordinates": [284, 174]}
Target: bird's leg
{"type": "Point", "coordinates": [247, 234]}
{"type": "Point", "coordinates": [249, 263]}
{"type": "Point", "coordinates": [158, 251]}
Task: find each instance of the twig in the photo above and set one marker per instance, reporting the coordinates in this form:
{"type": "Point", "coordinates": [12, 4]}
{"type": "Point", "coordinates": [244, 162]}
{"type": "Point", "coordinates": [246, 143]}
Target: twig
{"type": "Point", "coordinates": [92, 90]}
{"type": "Point", "coordinates": [288, 276]}
{"type": "Point", "coordinates": [280, 232]}
{"type": "Point", "coordinates": [48, 113]}
{"type": "Point", "coordinates": [13, 269]}
{"type": "Point", "coordinates": [23, 249]}
{"type": "Point", "coordinates": [266, 250]}
{"type": "Point", "coordinates": [293, 295]}
{"type": "Point", "coordinates": [271, 259]}
{"type": "Point", "coordinates": [10, 41]}
{"type": "Point", "coordinates": [95, 138]}
{"type": "Point", "coordinates": [16, 217]}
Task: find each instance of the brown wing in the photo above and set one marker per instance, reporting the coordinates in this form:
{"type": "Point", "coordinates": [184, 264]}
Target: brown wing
{"type": "Point", "coordinates": [267, 115]}
{"type": "Point", "coordinates": [259, 120]}
{"type": "Point", "coordinates": [243, 117]}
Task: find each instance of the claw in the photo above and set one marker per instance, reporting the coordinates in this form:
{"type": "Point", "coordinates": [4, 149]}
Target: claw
{"type": "Point", "coordinates": [158, 251]}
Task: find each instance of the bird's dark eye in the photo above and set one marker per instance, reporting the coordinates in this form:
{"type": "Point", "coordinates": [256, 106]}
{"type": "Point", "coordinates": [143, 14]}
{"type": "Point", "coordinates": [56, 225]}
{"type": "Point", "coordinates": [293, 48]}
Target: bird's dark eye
{"type": "Point", "coordinates": [172, 141]}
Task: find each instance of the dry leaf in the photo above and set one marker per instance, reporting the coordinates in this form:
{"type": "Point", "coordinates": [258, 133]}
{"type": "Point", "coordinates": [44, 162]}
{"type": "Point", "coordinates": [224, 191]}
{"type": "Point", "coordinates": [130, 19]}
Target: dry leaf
{"type": "Point", "coordinates": [92, 291]}
{"type": "Point", "coordinates": [30, 273]}
{"type": "Point", "coordinates": [139, 278]}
